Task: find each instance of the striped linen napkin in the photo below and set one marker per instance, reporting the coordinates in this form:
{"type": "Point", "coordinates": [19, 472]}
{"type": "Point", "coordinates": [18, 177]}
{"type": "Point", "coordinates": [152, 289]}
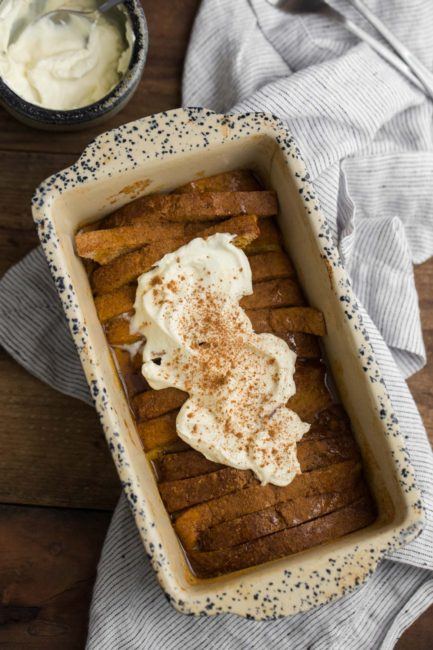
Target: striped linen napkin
{"type": "Point", "coordinates": [367, 137]}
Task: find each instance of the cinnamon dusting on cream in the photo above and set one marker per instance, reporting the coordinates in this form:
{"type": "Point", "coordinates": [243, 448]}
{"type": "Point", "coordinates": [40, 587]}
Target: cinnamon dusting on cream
{"type": "Point", "coordinates": [238, 381]}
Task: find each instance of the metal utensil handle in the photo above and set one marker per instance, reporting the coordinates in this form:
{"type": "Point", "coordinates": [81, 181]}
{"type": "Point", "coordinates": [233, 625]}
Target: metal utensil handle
{"type": "Point", "coordinates": [109, 4]}
{"type": "Point", "coordinates": [424, 75]}
{"type": "Point", "coordinates": [385, 53]}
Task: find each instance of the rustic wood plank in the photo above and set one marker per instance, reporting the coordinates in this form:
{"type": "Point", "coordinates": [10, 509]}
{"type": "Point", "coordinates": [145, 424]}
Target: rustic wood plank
{"type": "Point", "coordinates": [47, 570]}
{"type": "Point", "coordinates": [424, 284]}
{"type": "Point", "coordinates": [421, 384]}
{"type": "Point", "coordinates": [20, 174]}
{"type": "Point", "coordinates": [169, 23]}
{"type": "Point", "coordinates": [419, 635]}
{"type": "Point", "coordinates": [52, 450]}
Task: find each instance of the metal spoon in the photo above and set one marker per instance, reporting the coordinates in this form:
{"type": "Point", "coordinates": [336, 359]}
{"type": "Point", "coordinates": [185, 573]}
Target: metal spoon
{"type": "Point", "coordinates": [59, 15]}
{"type": "Point", "coordinates": [399, 56]}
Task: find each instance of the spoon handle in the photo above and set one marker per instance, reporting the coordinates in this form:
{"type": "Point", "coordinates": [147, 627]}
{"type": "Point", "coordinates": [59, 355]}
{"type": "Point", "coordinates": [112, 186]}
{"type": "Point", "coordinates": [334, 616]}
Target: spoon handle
{"type": "Point", "coordinates": [109, 4]}
{"type": "Point", "coordinates": [387, 54]}
{"type": "Point", "coordinates": [418, 68]}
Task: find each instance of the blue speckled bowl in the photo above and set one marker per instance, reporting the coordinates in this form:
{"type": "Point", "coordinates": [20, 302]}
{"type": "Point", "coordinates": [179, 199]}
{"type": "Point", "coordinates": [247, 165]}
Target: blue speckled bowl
{"type": "Point", "coordinates": [81, 118]}
{"type": "Point", "coordinates": [159, 153]}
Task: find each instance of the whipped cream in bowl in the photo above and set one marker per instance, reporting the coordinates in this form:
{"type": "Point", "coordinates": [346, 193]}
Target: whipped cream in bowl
{"type": "Point", "coordinates": [64, 68]}
{"type": "Point", "coordinates": [201, 341]}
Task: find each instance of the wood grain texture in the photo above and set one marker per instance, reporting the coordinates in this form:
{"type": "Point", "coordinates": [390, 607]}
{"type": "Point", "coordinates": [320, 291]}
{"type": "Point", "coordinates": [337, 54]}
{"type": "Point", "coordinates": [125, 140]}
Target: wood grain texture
{"type": "Point", "coordinates": [17, 231]}
{"type": "Point", "coordinates": [421, 384]}
{"type": "Point", "coordinates": [47, 570]}
{"type": "Point", "coordinates": [420, 634]}
{"type": "Point", "coordinates": [52, 451]}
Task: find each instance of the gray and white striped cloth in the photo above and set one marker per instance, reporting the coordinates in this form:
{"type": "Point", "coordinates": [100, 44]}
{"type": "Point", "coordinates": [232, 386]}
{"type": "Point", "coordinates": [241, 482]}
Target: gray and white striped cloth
{"type": "Point", "coordinates": [367, 138]}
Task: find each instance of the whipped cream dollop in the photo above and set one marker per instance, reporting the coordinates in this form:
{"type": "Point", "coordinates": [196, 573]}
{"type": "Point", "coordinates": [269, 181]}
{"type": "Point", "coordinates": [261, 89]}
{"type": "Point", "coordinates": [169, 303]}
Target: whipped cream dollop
{"type": "Point", "coordinates": [63, 64]}
{"type": "Point", "coordinates": [200, 340]}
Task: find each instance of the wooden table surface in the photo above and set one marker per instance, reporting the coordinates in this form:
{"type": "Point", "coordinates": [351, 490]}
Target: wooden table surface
{"type": "Point", "coordinates": [58, 485]}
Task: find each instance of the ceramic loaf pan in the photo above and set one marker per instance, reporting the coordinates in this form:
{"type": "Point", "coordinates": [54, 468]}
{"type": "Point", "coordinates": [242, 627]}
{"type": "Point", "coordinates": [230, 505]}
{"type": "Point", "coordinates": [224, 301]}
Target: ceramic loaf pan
{"type": "Point", "coordinates": [157, 154]}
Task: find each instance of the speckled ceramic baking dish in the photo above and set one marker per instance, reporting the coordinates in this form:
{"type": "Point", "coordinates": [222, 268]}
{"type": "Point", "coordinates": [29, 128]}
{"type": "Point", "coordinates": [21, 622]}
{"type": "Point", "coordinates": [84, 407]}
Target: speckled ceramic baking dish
{"type": "Point", "coordinates": [159, 153]}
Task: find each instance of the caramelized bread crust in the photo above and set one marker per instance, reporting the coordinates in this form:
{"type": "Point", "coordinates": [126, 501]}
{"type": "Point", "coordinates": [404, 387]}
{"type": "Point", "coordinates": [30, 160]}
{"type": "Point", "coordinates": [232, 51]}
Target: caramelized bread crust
{"type": "Point", "coordinates": [125, 268]}
{"type": "Point", "coordinates": [323, 529]}
{"type": "Point", "coordinates": [225, 519]}
{"type": "Point", "coordinates": [193, 206]}
{"type": "Point", "coordinates": [239, 180]}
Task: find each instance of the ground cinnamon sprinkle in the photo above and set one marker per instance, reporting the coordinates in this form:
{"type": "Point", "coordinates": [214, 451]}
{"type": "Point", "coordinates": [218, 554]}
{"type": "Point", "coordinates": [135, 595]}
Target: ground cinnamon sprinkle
{"type": "Point", "coordinates": [238, 381]}
{"type": "Point", "coordinates": [172, 285]}
{"type": "Point", "coordinates": [219, 330]}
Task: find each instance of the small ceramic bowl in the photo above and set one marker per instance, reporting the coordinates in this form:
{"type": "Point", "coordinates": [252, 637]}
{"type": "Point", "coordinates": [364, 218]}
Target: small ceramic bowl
{"type": "Point", "coordinates": [98, 112]}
